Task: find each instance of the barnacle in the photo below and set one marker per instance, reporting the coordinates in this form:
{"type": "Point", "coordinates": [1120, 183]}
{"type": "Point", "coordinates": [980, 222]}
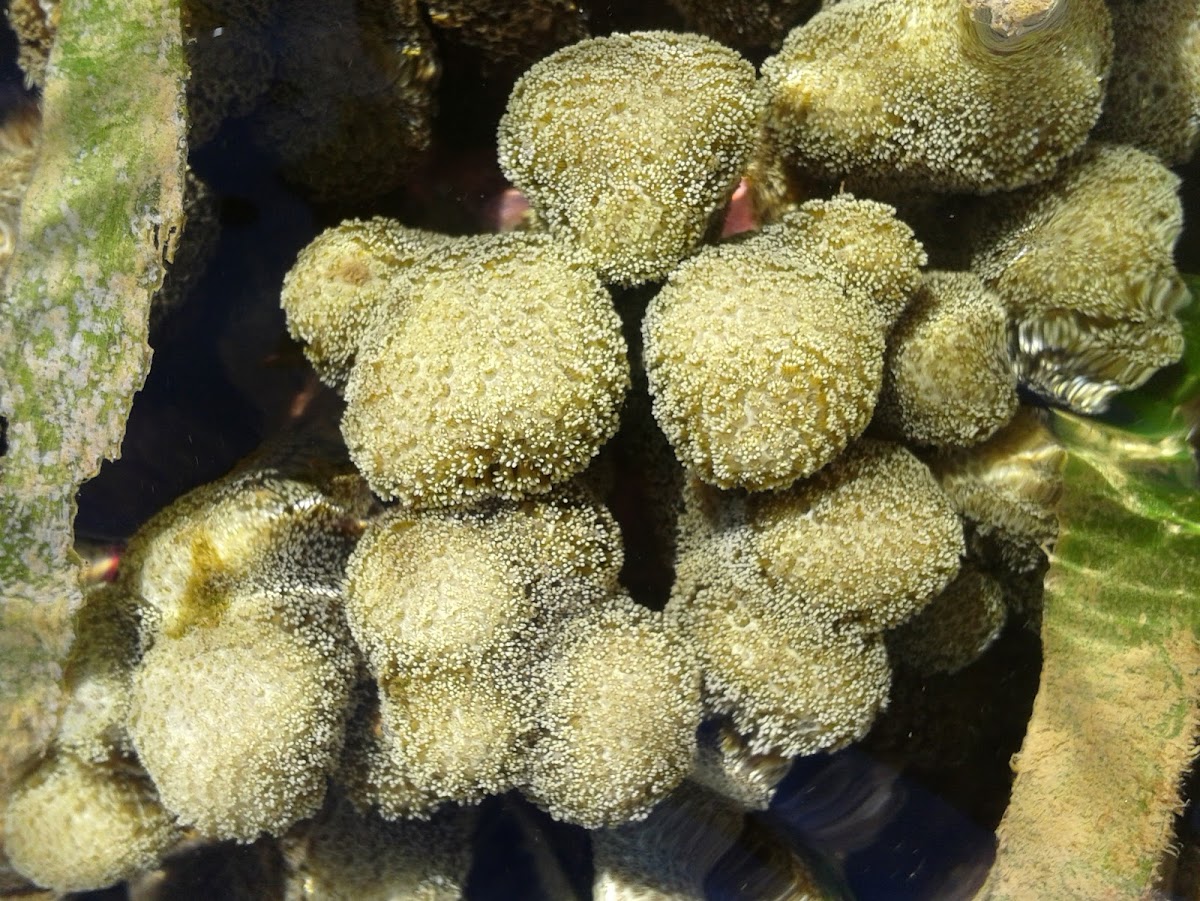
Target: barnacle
{"type": "Point", "coordinates": [502, 376]}
{"type": "Point", "coordinates": [1083, 265]}
{"type": "Point", "coordinates": [73, 825]}
{"type": "Point", "coordinates": [1153, 96]}
{"type": "Point", "coordinates": [948, 378]}
{"type": "Point", "coordinates": [627, 146]}
{"type": "Point", "coordinates": [765, 355]}
{"type": "Point", "coordinates": [930, 107]}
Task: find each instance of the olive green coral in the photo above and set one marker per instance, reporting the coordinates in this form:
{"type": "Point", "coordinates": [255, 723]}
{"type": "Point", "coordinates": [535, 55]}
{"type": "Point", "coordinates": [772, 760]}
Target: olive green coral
{"type": "Point", "coordinates": [948, 377]}
{"type": "Point", "coordinates": [1153, 96]}
{"type": "Point", "coordinates": [950, 96]}
{"type": "Point", "coordinates": [870, 539]}
{"type": "Point", "coordinates": [628, 146]}
{"type": "Point", "coordinates": [246, 662]}
{"type": "Point", "coordinates": [503, 377]}
{"type": "Point", "coordinates": [1083, 265]}
{"type": "Point", "coordinates": [764, 355]}
{"type": "Point", "coordinates": [72, 825]}
{"type": "Point", "coordinates": [495, 636]}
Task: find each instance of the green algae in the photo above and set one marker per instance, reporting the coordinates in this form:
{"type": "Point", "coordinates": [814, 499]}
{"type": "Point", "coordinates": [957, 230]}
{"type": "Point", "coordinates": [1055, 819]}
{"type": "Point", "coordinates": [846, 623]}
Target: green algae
{"type": "Point", "coordinates": [1115, 721]}
{"type": "Point", "coordinates": [98, 226]}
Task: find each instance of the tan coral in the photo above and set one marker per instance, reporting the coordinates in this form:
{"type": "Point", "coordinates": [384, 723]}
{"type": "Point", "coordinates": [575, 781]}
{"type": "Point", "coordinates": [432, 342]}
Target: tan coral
{"type": "Point", "coordinates": [628, 146]}
{"type": "Point", "coordinates": [97, 676]}
{"type": "Point", "coordinates": [765, 355]}
{"type": "Point", "coordinates": [347, 855]}
{"type": "Point", "coordinates": [1083, 265]}
{"type": "Point", "coordinates": [344, 277]}
{"type": "Point", "coordinates": [745, 24]}
{"type": "Point", "coordinates": [955, 628]}
{"type": "Point", "coordinates": [502, 378]}
{"type": "Point", "coordinates": [870, 539]}
{"type": "Point", "coordinates": [791, 683]}
{"type": "Point", "coordinates": [1153, 96]}
{"type": "Point", "coordinates": [931, 105]}
{"type": "Point", "coordinates": [617, 719]}
{"type": "Point", "coordinates": [262, 693]}
{"type": "Point", "coordinates": [1007, 488]}
{"type": "Point", "coordinates": [351, 104]}
{"type": "Point", "coordinates": [509, 33]}
{"type": "Point", "coordinates": [948, 378]}
{"type": "Point", "coordinates": [77, 826]}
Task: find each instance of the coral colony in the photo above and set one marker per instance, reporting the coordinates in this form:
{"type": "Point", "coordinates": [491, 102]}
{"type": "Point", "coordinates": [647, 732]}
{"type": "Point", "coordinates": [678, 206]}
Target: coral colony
{"type": "Point", "coordinates": [825, 408]}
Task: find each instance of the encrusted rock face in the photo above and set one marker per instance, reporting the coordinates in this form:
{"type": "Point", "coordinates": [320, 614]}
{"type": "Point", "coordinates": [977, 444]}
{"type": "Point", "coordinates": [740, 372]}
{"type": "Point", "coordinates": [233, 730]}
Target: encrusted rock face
{"type": "Point", "coordinates": [627, 146]}
{"type": "Point", "coordinates": [933, 105]}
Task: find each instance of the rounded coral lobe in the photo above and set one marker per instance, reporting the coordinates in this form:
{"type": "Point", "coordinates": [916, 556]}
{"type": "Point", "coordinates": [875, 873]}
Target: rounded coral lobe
{"type": "Point", "coordinates": [932, 106]}
{"type": "Point", "coordinates": [870, 539]}
{"type": "Point", "coordinates": [502, 377]}
{"type": "Point", "coordinates": [628, 145]}
{"type": "Point", "coordinates": [761, 365]}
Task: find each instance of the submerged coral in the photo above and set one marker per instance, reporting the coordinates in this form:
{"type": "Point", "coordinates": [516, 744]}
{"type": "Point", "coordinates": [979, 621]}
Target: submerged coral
{"type": "Point", "coordinates": [1092, 304]}
{"type": "Point", "coordinates": [628, 146]}
{"type": "Point", "coordinates": [360, 660]}
{"type": "Point", "coordinates": [930, 106]}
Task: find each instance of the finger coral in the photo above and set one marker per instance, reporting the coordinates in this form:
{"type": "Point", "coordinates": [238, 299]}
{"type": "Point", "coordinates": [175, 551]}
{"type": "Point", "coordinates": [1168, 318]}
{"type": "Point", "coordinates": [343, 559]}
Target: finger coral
{"type": "Point", "coordinates": [870, 539]}
{"type": "Point", "coordinates": [930, 105]}
{"type": "Point", "coordinates": [627, 146]}
{"type": "Point", "coordinates": [1092, 304]}
{"type": "Point", "coordinates": [948, 377]}
{"type": "Point", "coordinates": [246, 662]}
{"type": "Point", "coordinates": [505, 660]}
{"type": "Point", "coordinates": [764, 355]}
{"type": "Point", "coordinates": [617, 725]}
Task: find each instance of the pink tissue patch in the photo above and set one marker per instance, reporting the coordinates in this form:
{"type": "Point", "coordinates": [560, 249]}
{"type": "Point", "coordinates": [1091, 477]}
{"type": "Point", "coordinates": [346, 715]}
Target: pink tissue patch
{"type": "Point", "coordinates": [739, 215]}
{"type": "Point", "coordinates": [508, 210]}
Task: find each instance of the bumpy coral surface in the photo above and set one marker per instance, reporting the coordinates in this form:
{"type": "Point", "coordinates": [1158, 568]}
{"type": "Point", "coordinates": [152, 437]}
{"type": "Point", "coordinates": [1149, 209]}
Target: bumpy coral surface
{"type": "Point", "coordinates": [628, 145]}
{"type": "Point", "coordinates": [930, 106]}
{"type": "Point", "coordinates": [73, 825]}
{"type": "Point", "coordinates": [1153, 98]}
{"type": "Point", "coordinates": [870, 539]}
{"type": "Point", "coordinates": [505, 660]}
{"type": "Point", "coordinates": [1083, 265]}
{"type": "Point", "coordinates": [948, 377]}
{"type": "Point", "coordinates": [484, 367]}
{"type": "Point", "coordinates": [765, 356]}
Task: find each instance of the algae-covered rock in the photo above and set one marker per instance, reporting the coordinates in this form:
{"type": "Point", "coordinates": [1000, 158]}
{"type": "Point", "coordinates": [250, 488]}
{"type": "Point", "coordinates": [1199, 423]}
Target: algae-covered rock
{"type": "Point", "coordinates": [98, 223]}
